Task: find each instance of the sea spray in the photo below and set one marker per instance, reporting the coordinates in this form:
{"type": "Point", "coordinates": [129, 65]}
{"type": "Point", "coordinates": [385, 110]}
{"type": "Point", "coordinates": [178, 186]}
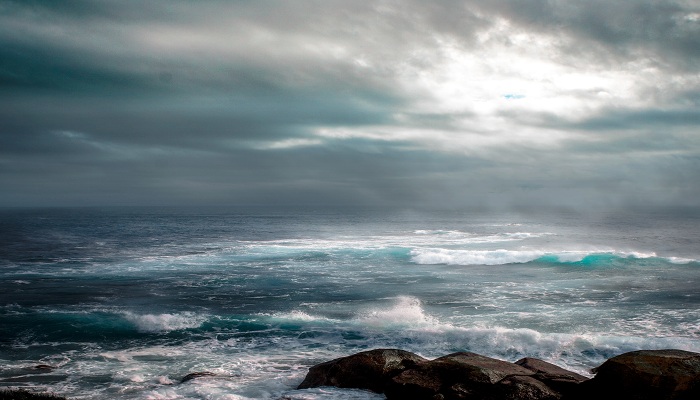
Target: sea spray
{"type": "Point", "coordinates": [165, 322]}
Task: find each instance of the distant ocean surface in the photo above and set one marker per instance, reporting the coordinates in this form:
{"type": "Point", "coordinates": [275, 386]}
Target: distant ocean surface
{"type": "Point", "coordinates": [124, 302]}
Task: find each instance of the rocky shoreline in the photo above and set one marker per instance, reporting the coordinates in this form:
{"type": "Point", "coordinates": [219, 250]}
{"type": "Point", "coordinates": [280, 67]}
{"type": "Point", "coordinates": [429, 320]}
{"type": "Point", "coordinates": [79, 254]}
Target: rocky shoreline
{"type": "Point", "coordinates": [398, 374]}
{"type": "Point", "coordinates": [638, 375]}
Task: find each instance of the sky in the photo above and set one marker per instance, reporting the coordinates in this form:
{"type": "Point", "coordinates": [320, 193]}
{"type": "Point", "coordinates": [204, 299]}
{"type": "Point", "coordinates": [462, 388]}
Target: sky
{"type": "Point", "coordinates": [444, 104]}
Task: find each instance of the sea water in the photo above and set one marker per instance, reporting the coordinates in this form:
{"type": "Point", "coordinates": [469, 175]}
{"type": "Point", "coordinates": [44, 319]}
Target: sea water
{"type": "Point", "coordinates": [122, 303]}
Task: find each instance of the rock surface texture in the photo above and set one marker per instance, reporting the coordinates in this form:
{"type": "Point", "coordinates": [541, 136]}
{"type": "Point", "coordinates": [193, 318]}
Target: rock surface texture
{"type": "Point", "coordinates": [195, 375]}
{"type": "Point", "coordinates": [647, 375]}
{"type": "Point", "coordinates": [639, 375]}
{"type": "Point", "coordinates": [460, 376]}
{"type": "Point", "coordinates": [557, 378]}
{"type": "Point", "coordinates": [367, 370]}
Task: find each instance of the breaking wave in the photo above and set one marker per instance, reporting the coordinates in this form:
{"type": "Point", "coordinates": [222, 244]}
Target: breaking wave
{"type": "Point", "coordinates": [406, 311]}
{"type": "Point", "coordinates": [434, 256]}
{"type": "Point", "coordinates": [165, 322]}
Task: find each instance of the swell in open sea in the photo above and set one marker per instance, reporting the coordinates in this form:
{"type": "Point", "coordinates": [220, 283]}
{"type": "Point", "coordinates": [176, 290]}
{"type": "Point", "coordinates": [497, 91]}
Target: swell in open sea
{"type": "Point", "coordinates": [122, 303]}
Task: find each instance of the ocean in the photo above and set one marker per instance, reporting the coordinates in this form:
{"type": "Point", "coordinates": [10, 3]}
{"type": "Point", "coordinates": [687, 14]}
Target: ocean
{"type": "Point", "coordinates": [122, 303]}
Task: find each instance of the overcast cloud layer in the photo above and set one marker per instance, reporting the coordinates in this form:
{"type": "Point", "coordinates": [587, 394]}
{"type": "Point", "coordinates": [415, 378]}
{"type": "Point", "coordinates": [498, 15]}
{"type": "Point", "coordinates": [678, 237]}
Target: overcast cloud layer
{"type": "Point", "coordinates": [504, 103]}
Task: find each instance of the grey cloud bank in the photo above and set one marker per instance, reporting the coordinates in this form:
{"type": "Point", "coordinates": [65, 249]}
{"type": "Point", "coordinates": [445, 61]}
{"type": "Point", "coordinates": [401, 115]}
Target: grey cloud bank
{"type": "Point", "coordinates": [406, 103]}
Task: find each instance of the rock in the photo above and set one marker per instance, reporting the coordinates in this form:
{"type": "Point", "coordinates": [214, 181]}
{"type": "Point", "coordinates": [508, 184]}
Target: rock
{"type": "Point", "coordinates": [524, 388]}
{"type": "Point", "coordinates": [485, 369]}
{"type": "Point", "coordinates": [43, 367]}
{"type": "Point", "coordinates": [195, 375]}
{"type": "Point", "coordinates": [647, 375]}
{"type": "Point", "coordinates": [639, 375]}
{"type": "Point", "coordinates": [425, 382]}
{"type": "Point", "coordinates": [21, 394]}
{"type": "Point", "coordinates": [457, 376]}
{"type": "Point", "coordinates": [366, 370]}
{"type": "Point", "coordinates": [557, 378]}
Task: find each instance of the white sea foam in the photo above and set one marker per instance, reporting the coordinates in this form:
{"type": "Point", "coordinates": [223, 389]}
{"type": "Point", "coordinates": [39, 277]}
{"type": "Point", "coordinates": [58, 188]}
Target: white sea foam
{"type": "Point", "coordinates": [165, 322]}
{"type": "Point", "coordinates": [406, 311]}
{"type": "Point", "coordinates": [270, 367]}
{"type": "Point", "coordinates": [439, 232]}
{"type": "Point", "coordinates": [417, 238]}
{"type": "Point", "coordinates": [431, 256]}
{"type": "Point", "coordinates": [327, 393]}
{"type": "Point", "coordinates": [150, 353]}
{"type": "Point", "coordinates": [571, 256]}
{"type": "Point", "coordinates": [634, 254]}
{"type": "Point", "coordinates": [680, 260]}
{"type": "Point", "coordinates": [431, 337]}
{"type": "Point", "coordinates": [301, 316]}
{"type": "Point", "coordinates": [576, 351]}
{"type": "Point", "coordinates": [406, 319]}
{"type": "Point", "coordinates": [473, 257]}
{"type": "Point", "coordinates": [459, 237]}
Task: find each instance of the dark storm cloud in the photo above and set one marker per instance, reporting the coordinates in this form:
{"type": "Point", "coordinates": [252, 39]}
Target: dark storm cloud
{"type": "Point", "coordinates": [450, 103]}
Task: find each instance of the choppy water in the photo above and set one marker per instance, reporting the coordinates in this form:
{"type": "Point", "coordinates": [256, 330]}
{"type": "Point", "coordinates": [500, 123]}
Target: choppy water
{"type": "Point", "coordinates": [125, 302]}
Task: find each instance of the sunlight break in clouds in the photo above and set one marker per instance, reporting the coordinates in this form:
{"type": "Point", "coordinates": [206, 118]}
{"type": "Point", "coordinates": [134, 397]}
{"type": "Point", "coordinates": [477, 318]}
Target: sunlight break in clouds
{"type": "Point", "coordinates": [475, 87]}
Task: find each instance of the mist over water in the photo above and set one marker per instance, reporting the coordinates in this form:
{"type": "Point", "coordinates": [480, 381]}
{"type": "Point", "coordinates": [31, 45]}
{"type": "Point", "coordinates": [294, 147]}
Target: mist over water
{"type": "Point", "coordinates": [124, 302]}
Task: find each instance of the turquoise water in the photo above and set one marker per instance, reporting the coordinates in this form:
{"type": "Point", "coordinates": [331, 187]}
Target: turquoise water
{"type": "Point", "coordinates": [124, 302]}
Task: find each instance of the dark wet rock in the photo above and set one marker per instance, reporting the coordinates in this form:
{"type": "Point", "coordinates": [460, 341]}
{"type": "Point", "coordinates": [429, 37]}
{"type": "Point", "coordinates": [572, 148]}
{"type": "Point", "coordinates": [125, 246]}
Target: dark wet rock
{"type": "Point", "coordinates": [26, 395]}
{"type": "Point", "coordinates": [520, 387]}
{"type": "Point", "coordinates": [485, 369]}
{"type": "Point", "coordinates": [638, 375]}
{"type": "Point", "coordinates": [43, 367]}
{"type": "Point", "coordinates": [557, 378]}
{"type": "Point", "coordinates": [366, 370]}
{"type": "Point", "coordinates": [459, 376]}
{"type": "Point", "coordinates": [646, 375]}
{"type": "Point", "coordinates": [38, 377]}
{"type": "Point", "coordinates": [420, 383]}
{"type": "Point", "coordinates": [195, 375]}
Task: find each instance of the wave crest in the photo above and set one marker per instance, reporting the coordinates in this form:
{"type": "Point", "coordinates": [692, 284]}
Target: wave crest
{"type": "Point", "coordinates": [473, 257]}
{"type": "Point", "coordinates": [433, 256]}
{"type": "Point", "coordinates": [165, 322]}
{"type": "Point", "coordinates": [406, 311]}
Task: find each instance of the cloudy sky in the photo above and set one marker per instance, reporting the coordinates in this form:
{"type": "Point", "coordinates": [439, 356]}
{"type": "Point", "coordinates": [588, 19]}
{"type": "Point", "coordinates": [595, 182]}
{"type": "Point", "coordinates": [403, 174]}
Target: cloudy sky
{"type": "Point", "coordinates": [500, 103]}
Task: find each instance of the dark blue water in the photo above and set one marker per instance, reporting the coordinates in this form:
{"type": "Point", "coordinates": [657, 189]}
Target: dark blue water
{"type": "Point", "coordinates": [122, 303]}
